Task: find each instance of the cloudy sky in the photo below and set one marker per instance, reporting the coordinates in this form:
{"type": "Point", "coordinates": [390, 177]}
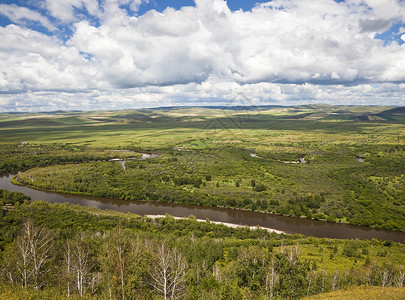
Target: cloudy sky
{"type": "Point", "coordinates": [117, 54]}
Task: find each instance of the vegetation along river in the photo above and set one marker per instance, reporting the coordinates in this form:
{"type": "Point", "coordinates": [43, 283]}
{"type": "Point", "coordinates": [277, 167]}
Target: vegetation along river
{"type": "Point", "coordinates": [227, 215]}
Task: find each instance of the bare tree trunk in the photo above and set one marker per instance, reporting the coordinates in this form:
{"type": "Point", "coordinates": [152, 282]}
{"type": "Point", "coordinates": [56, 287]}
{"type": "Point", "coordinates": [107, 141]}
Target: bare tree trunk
{"type": "Point", "coordinates": [384, 277]}
{"type": "Point", "coordinates": [81, 264]}
{"type": "Point", "coordinates": [41, 250]}
{"type": "Point", "coordinates": [399, 280]}
{"type": "Point", "coordinates": [335, 281]}
{"type": "Point", "coordinates": [34, 246]}
{"type": "Point", "coordinates": [7, 269]}
{"type": "Point", "coordinates": [168, 273]}
{"type": "Point", "coordinates": [271, 280]}
{"type": "Point", "coordinates": [23, 264]}
{"type": "Point", "coordinates": [121, 263]}
{"type": "Point", "coordinates": [68, 262]}
{"type": "Point", "coordinates": [178, 276]}
{"type": "Point", "coordinates": [120, 251]}
{"type": "Point", "coordinates": [216, 272]}
{"type": "Point", "coordinates": [309, 283]}
{"type": "Point", "coordinates": [323, 281]}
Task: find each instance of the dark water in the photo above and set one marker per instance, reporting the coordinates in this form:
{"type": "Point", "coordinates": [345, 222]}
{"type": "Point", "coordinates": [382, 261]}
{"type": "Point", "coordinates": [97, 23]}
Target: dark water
{"type": "Point", "coordinates": [286, 224]}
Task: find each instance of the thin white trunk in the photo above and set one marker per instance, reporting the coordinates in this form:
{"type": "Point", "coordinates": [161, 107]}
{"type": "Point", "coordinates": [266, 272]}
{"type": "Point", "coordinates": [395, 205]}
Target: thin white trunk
{"type": "Point", "coordinates": [399, 280]}
{"type": "Point", "coordinates": [384, 277]}
{"type": "Point", "coordinates": [168, 273]}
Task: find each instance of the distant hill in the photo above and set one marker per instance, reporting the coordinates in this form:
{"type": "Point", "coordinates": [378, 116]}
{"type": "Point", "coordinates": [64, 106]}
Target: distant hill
{"type": "Point", "coordinates": [397, 111]}
{"type": "Point", "coordinates": [225, 107]}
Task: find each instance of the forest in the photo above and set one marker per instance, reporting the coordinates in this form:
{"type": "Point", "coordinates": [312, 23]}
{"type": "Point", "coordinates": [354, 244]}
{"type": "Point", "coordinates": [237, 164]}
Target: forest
{"type": "Point", "coordinates": [327, 163]}
{"type": "Point", "coordinates": [53, 251]}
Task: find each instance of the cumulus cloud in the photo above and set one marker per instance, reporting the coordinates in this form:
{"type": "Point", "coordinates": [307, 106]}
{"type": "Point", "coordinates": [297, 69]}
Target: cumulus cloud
{"type": "Point", "coordinates": [32, 61]}
{"type": "Point", "coordinates": [211, 92]}
{"type": "Point", "coordinates": [283, 50]}
{"type": "Point", "coordinates": [281, 41]}
{"type": "Point", "coordinates": [377, 25]}
{"type": "Point", "coordinates": [65, 10]}
{"type": "Point", "coordinates": [135, 4]}
{"type": "Point", "coordinates": [23, 15]}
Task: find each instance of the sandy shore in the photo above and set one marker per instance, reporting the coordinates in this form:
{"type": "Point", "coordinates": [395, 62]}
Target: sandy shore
{"type": "Point", "coordinates": [223, 223]}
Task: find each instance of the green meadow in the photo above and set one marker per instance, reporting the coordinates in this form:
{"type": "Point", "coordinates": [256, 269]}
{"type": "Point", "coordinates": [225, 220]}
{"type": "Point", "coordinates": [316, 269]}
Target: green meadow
{"type": "Point", "coordinates": [331, 163]}
{"type": "Point", "coordinates": [338, 163]}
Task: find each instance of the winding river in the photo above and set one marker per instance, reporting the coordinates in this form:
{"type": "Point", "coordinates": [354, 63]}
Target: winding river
{"type": "Point", "coordinates": [226, 215]}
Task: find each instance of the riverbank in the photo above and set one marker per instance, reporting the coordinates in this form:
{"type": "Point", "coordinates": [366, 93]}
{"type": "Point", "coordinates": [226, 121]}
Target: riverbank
{"type": "Point", "coordinates": [235, 217]}
{"type": "Point", "coordinates": [222, 223]}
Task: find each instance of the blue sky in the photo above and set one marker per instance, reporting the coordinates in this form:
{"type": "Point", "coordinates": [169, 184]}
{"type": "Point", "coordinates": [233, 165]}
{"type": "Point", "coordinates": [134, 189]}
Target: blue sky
{"type": "Point", "coordinates": [390, 35]}
{"type": "Point", "coordinates": [111, 54]}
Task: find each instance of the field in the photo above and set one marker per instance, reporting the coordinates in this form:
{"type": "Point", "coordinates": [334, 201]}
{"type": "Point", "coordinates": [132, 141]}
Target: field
{"type": "Point", "coordinates": [333, 163]}
{"type": "Point", "coordinates": [353, 168]}
{"type": "Point", "coordinates": [372, 293]}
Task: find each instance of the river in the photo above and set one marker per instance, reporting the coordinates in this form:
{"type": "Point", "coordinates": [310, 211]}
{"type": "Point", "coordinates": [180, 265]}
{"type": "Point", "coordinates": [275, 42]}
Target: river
{"type": "Point", "coordinates": [226, 215]}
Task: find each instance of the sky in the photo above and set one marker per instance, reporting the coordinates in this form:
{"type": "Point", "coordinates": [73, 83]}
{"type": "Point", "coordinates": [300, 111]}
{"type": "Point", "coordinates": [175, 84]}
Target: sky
{"type": "Point", "coordinates": [122, 54]}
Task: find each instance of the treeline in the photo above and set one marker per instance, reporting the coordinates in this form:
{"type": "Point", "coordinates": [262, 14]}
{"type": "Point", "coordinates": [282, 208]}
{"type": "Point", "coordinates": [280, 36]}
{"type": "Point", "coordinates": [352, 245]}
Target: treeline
{"type": "Point", "coordinates": [12, 198]}
{"type": "Point", "coordinates": [70, 251]}
{"type": "Point", "coordinates": [18, 157]}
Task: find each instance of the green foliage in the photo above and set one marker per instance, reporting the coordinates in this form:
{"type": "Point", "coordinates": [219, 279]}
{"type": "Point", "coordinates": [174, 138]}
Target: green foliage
{"type": "Point", "coordinates": [120, 251]}
{"type": "Point", "coordinates": [334, 186]}
{"type": "Point", "coordinates": [199, 164]}
{"type": "Point", "coordinates": [12, 198]}
{"type": "Point", "coordinates": [334, 196]}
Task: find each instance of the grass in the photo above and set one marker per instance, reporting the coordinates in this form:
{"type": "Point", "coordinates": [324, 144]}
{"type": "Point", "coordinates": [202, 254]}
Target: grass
{"type": "Point", "coordinates": [166, 127]}
{"type": "Point", "coordinates": [364, 292]}
{"type": "Point", "coordinates": [330, 137]}
{"type": "Point", "coordinates": [328, 255]}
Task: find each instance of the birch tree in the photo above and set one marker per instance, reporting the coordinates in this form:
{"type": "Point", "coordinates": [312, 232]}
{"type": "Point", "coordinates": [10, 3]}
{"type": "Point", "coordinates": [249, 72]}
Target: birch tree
{"type": "Point", "coordinates": [119, 254]}
{"type": "Point", "coordinates": [335, 281]}
{"type": "Point", "coordinates": [400, 277]}
{"type": "Point", "coordinates": [34, 249]}
{"type": "Point", "coordinates": [81, 263]}
{"type": "Point", "coordinates": [251, 267]}
{"type": "Point", "coordinates": [68, 268]}
{"type": "Point", "coordinates": [168, 273]}
{"type": "Point", "coordinates": [271, 280]}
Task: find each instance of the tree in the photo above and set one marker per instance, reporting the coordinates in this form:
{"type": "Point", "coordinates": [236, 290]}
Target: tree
{"type": "Point", "coordinates": [251, 267]}
{"type": "Point", "coordinates": [81, 263]}
{"type": "Point", "coordinates": [292, 281]}
{"type": "Point", "coordinates": [68, 270]}
{"type": "Point", "coordinates": [34, 250]}
{"type": "Point", "coordinates": [271, 280]}
{"type": "Point", "coordinates": [400, 277]}
{"type": "Point", "coordinates": [335, 281]}
{"type": "Point", "coordinates": [168, 273]}
{"type": "Point", "coordinates": [119, 254]}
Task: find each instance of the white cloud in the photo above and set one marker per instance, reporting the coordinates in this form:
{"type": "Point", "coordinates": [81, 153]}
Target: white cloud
{"type": "Point", "coordinates": [135, 4]}
{"type": "Point", "coordinates": [387, 9]}
{"type": "Point", "coordinates": [318, 42]}
{"type": "Point", "coordinates": [64, 10]}
{"type": "Point", "coordinates": [211, 92]}
{"type": "Point", "coordinates": [23, 15]}
{"type": "Point", "coordinates": [281, 51]}
{"type": "Point", "coordinates": [34, 61]}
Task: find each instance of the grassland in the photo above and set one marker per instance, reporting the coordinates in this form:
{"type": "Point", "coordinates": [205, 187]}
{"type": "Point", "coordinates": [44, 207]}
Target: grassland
{"type": "Point", "coordinates": [206, 158]}
{"type": "Point", "coordinates": [364, 292]}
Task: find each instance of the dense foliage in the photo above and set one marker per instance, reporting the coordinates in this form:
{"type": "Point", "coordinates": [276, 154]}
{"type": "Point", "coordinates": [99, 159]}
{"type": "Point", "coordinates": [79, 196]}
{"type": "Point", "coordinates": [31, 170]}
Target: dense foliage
{"type": "Point", "coordinates": [333, 185]}
{"type": "Point", "coordinates": [16, 157]}
{"type": "Point", "coordinates": [103, 254]}
{"type": "Point", "coordinates": [12, 198]}
{"type": "Point", "coordinates": [342, 164]}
